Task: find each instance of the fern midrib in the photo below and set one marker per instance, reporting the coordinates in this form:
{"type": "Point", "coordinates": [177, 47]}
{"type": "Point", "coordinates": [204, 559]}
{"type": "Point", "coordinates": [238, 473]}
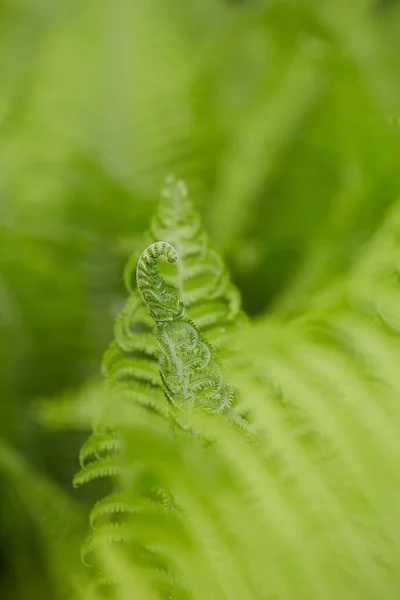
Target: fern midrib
{"type": "Point", "coordinates": [175, 358]}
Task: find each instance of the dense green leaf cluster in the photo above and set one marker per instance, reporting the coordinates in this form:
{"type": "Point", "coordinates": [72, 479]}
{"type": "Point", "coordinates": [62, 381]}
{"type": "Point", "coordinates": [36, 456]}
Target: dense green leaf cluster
{"type": "Point", "coordinates": [283, 118]}
{"type": "Point", "coordinates": [310, 508]}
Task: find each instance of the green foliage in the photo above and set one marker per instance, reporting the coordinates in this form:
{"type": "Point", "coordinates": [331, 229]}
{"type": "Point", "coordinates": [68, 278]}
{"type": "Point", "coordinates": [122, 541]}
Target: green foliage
{"type": "Point", "coordinates": [171, 368]}
{"type": "Point", "coordinates": [56, 518]}
{"type": "Point", "coordinates": [311, 507]}
{"type": "Point", "coordinates": [190, 374]}
{"type": "Point", "coordinates": [283, 118]}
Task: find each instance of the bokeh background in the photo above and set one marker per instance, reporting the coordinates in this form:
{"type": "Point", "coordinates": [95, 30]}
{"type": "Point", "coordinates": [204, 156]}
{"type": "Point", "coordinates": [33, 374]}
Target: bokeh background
{"type": "Point", "coordinates": [282, 116]}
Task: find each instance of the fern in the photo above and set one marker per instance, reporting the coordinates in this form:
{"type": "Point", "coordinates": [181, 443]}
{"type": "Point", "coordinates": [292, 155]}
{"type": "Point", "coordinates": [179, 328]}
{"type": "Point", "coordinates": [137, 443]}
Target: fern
{"type": "Point", "coordinates": [324, 394]}
{"type": "Point", "coordinates": [202, 283]}
{"type": "Point", "coordinates": [311, 510]}
{"type": "Point", "coordinates": [171, 368]}
{"type": "Point", "coordinates": [189, 371]}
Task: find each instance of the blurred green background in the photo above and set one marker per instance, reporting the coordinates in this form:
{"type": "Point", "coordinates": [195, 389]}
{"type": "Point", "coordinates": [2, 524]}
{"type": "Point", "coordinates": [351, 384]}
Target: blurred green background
{"type": "Point", "coordinates": [282, 116]}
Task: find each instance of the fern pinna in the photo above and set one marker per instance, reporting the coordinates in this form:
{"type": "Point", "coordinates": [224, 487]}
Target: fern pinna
{"type": "Point", "coordinates": [167, 368]}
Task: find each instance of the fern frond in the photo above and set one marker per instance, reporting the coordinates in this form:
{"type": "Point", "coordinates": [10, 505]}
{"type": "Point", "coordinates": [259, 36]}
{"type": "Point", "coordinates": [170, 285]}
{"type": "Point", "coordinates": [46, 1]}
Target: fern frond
{"type": "Point", "coordinates": [298, 511]}
{"type": "Point", "coordinates": [323, 393]}
{"type": "Point", "coordinates": [311, 509]}
{"type": "Point", "coordinates": [188, 366]}
{"type": "Point", "coordinates": [200, 277]}
{"type": "Point", "coordinates": [133, 366]}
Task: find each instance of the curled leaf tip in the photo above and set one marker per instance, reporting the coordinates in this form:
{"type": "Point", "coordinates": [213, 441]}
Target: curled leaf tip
{"type": "Point", "coordinates": [161, 299]}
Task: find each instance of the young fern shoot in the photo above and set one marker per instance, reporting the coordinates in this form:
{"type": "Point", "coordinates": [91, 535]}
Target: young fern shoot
{"type": "Point", "coordinates": [162, 361]}
{"type": "Point", "coordinates": [189, 370]}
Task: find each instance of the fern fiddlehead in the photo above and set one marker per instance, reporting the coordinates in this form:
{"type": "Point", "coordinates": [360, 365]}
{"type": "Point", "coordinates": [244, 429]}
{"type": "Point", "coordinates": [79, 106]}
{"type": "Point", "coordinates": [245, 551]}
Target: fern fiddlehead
{"type": "Point", "coordinates": [191, 376]}
{"type": "Point", "coordinates": [161, 300]}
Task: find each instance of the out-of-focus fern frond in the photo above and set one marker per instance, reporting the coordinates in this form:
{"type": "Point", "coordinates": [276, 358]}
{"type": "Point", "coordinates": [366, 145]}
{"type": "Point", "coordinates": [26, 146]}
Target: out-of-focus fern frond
{"type": "Point", "coordinates": [262, 139]}
{"type": "Point", "coordinates": [283, 118]}
{"type": "Point", "coordinates": [324, 385]}
{"type": "Point", "coordinates": [292, 516]}
{"type": "Point", "coordinates": [56, 517]}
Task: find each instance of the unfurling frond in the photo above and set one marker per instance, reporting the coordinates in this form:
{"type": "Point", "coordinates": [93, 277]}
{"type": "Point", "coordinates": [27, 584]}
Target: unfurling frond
{"type": "Point", "coordinates": [161, 299]}
{"type": "Point", "coordinates": [191, 376]}
{"type": "Point", "coordinates": [161, 359]}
